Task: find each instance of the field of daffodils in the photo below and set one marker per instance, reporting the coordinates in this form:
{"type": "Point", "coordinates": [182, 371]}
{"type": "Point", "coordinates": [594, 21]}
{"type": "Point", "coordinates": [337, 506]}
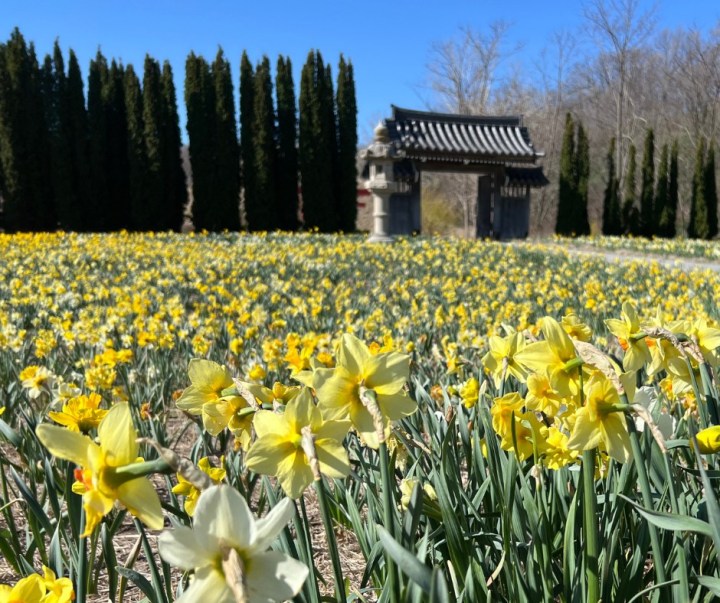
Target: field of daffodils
{"type": "Point", "coordinates": [258, 418]}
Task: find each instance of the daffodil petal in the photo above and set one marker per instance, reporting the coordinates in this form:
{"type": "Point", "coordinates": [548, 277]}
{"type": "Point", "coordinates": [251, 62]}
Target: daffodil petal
{"type": "Point", "coordinates": [299, 411]}
{"type": "Point", "coordinates": [141, 499]}
{"type": "Point", "coordinates": [294, 474]}
{"type": "Point", "coordinates": [269, 527]}
{"type": "Point", "coordinates": [352, 354]}
{"type": "Point", "coordinates": [586, 434]}
{"type": "Point", "coordinates": [396, 406]}
{"type": "Point", "coordinates": [363, 422]}
{"type": "Point", "coordinates": [118, 436]}
{"type": "Point", "coordinates": [266, 454]}
{"type": "Point", "coordinates": [332, 430]}
{"type": "Point", "coordinates": [222, 514]}
{"type": "Point", "coordinates": [333, 458]}
{"type": "Point", "coordinates": [387, 373]}
{"type": "Point", "coordinates": [180, 548]}
{"type": "Point", "coordinates": [617, 440]}
{"type": "Point", "coordinates": [207, 585]}
{"type": "Point", "coordinates": [209, 374]}
{"type": "Point", "coordinates": [267, 422]}
{"type": "Point", "coordinates": [28, 589]}
{"type": "Point", "coordinates": [65, 444]}
{"type": "Point", "coordinates": [274, 576]}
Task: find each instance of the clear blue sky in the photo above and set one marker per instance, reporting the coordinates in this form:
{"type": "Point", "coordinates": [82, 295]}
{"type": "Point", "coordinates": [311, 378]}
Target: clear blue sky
{"type": "Point", "coordinates": [388, 41]}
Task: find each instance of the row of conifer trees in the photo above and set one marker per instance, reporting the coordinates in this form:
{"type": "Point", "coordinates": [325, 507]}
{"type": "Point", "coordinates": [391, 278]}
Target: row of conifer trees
{"type": "Point", "coordinates": [654, 212]}
{"type": "Point", "coordinates": [114, 161]}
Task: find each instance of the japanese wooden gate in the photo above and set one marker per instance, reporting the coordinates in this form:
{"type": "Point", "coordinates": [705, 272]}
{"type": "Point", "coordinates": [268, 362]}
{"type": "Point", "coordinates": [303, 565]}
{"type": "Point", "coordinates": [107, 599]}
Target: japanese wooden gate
{"type": "Point", "coordinates": [497, 149]}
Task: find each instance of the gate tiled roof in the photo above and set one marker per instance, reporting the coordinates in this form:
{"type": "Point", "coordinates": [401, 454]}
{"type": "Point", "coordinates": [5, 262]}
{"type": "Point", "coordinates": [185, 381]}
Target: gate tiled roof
{"type": "Point", "coordinates": [462, 138]}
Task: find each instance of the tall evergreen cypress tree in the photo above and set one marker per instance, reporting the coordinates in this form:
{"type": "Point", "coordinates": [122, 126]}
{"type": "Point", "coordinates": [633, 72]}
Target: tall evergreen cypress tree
{"type": "Point", "coordinates": [672, 191]}
{"type": "Point", "coordinates": [630, 214]}
{"type": "Point", "coordinates": [287, 160]}
{"type": "Point", "coordinates": [347, 147]}
{"type": "Point", "coordinates": [175, 186]}
{"type": "Point", "coordinates": [612, 223]}
{"type": "Point", "coordinates": [263, 215]}
{"type": "Point", "coordinates": [247, 144]}
{"type": "Point", "coordinates": [117, 205]}
{"type": "Point", "coordinates": [647, 194]}
{"type": "Point", "coordinates": [567, 191]}
{"type": "Point", "coordinates": [582, 171]}
{"type": "Point", "coordinates": [200, 103]}
{"type": "Point", "coordinates": [154, 217]}
{"type": "Point", "coordinates": [24, 145]}
{"type": "Point", "coordinates": [55, 104]}
{"type": "Point", "coordinates": [137, 158]}
{"type": "Point", "coordinates": [711, 193]}
{"type": "Point", "coordinates": [660, 206]}
{"type": "Point", "coordinates": [98, 145]}
{"type": "Point", "coordinates": [315, 149]}
{"type": "Point", "coordinates": [699, 227]}
{"type": "Point", "coordinates": [77, 137]}
{"type": "Point", "coordinates": [225, 210]}
{"type": "Point", "coordinates": [328, 101]}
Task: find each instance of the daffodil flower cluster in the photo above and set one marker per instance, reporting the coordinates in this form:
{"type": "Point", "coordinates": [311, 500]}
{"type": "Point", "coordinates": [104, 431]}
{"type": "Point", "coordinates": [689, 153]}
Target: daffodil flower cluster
{"type": "Point", "coordinates": [573, 391]}
{"type": "Point", "coordinates": [298, 439]}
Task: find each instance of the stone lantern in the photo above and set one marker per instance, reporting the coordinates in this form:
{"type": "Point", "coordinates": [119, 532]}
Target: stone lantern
{"type": "Point", "coordinates": [381, 156]}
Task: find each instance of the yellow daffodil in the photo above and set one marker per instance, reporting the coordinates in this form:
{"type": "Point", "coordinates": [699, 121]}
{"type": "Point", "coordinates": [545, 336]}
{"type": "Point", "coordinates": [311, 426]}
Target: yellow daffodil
{"type": "Point", "coordinates": [597, 423]}
{"type": "Point", "coordinates": [278, 450]}
{"type": "Point", "coordinates": [28, 590]}
{"type": "Point", "coordinates": [280, 394]}
{"type": "Point", "coordinates": [190, 492]}
{"type": "Point", "coordinates": [59, 590]}
{"type": "Point", "coordinates": [524, 437]}
{"type": "Point", "coordinates": [707, 337]}
{"type": "Point", "coordinates": [406, 489]}
{"type": "Point", "coordinates": [469, 392]}
{"type": "Point", "coordinates": [205, 398]}
{"type": "Point", "coordinates": [223, 530]}
{"type": "Point", "coordinates": [575, 327]}
{"type": "Point", "coordinates": [338, 389]}
{"type": "Point", "coordinates": [82, 413]}
{"type": "Point", "coordinates": [628, 332]}
{"type": "Point", "coordinates": [502, 411]}
{"type": "Point", "coordinates": [556, 453]}
{"type": "Point", "coordinates": [541, 397]}
{"type": "Point", "coordinates": [501, 359]}
{"type": "Point", "coordinates": [36, 379]}
{"type": "Point", "coordinates": [708, 440]}
{"type": "Point", "coordinates": [97, 474]}
{"type": "Point", "coordinates": [556, 357]}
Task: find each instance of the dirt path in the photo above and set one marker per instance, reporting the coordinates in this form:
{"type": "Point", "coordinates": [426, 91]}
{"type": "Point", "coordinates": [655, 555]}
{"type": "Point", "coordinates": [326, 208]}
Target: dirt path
{"type": "Point", "coordinates": [686, 264]}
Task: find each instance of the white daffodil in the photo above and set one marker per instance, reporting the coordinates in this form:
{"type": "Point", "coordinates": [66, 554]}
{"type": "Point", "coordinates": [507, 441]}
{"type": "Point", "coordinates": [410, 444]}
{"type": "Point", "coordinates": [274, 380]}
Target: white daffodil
{"type": "Point", "coordinates": [228, 550]}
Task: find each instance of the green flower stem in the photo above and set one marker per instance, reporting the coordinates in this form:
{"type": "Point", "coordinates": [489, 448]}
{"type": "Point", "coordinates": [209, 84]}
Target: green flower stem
{"type": "Point", "coordinates": [332, 544]}
{"type": "Point", "coordinates": [302, 529]}
{"type": "Point", "coordinates": [658, 559]}
{"type": "Point", "coordinates": [82, 569]}
{"type": "Point", "coordinates": [135, 470]}
{"type": "Point", "coordinates": [389, 511]}
{"type": "Point", "coordinates": [682, 573]}
{"type": "Point", "coordinates": [592, 552]}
